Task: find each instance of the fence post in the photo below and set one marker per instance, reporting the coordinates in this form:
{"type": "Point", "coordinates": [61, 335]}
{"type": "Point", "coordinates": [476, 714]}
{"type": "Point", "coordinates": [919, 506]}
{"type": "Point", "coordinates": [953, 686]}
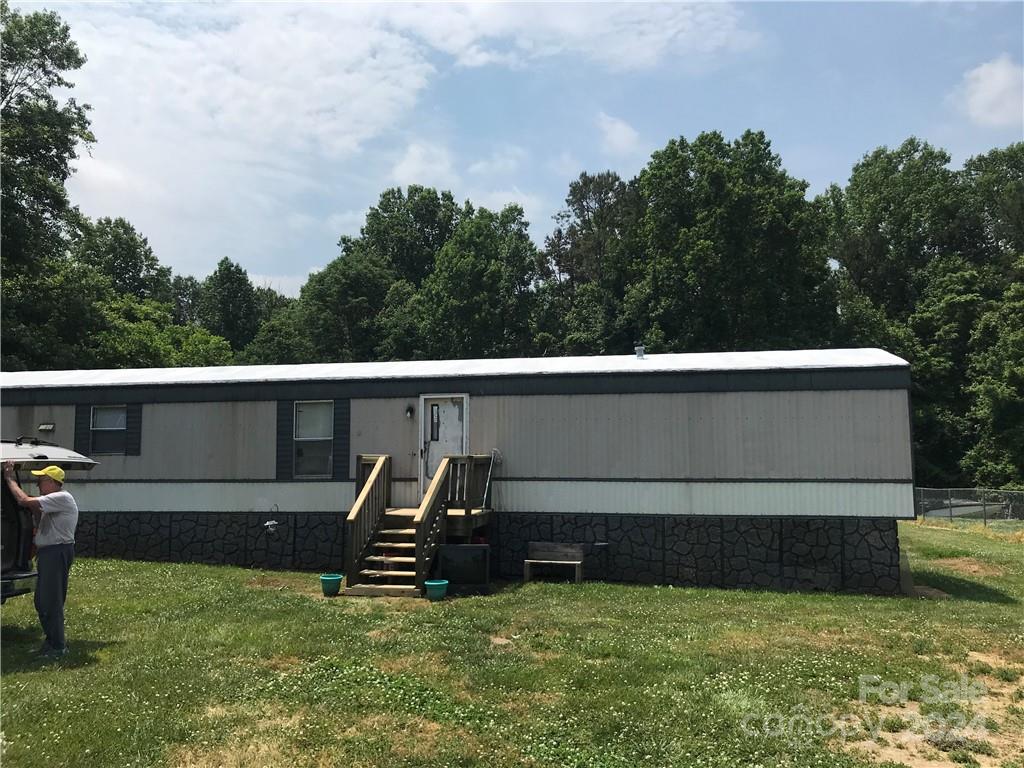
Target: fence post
{"type": "Point", "coordinates": [949, 503]}
{"type": "Point", "coordinates": [984, 508]}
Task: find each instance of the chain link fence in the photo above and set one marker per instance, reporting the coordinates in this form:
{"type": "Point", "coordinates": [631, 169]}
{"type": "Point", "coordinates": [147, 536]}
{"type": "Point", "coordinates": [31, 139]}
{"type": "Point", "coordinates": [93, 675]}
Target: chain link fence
{"type": "Point", "coordinates": [985, 505]}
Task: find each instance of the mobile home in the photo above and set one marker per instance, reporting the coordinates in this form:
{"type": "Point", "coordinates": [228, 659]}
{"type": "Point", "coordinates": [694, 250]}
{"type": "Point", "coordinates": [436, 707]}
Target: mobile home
{"type": "Point", "coordinates": [783, 470]}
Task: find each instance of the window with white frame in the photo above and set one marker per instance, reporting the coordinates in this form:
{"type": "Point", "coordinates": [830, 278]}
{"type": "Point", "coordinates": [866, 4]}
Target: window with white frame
{"type": "Point", "coordinates": [313, 438]}
{"type": "Point", "coordinates": [108, 429]}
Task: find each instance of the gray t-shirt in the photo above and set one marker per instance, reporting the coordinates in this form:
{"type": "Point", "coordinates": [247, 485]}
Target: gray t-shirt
{"type": "Point", "coordinates": [58, 520]}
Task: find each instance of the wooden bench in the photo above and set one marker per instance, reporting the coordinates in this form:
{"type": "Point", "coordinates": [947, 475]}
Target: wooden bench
{"type": "Point", "coordinates": [550, 553]}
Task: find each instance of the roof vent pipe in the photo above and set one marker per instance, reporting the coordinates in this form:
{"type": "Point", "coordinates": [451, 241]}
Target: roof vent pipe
{"type": "Point", "coordinates": [639, 349]}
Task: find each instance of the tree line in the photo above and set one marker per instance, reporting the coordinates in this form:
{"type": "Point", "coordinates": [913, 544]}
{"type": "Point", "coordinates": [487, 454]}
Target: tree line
{"type": "Point", "coordinates": [713, 246]}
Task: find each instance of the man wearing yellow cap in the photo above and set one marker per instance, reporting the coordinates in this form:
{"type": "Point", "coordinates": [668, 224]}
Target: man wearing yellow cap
{"type": "Point", "coordinates": [56, 515]}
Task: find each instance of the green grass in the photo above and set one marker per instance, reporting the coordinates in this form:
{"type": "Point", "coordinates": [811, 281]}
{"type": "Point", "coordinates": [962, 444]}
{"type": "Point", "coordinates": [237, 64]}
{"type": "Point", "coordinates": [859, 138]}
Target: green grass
{"type": "Point", "coordinates": [176, 664]}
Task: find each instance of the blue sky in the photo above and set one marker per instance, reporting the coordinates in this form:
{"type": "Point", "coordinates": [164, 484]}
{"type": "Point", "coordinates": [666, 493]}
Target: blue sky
{"type": "Point", "coordinates": [262, 132]}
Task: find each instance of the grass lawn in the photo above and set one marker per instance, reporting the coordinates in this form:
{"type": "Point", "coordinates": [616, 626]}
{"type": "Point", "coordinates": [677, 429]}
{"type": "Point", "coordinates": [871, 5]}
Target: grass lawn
{"type": "Point", "coordinates": [192, 665]}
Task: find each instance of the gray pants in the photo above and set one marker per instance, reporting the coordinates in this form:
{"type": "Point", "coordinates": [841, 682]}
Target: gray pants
{"type": "Point", "coordinates": [53, 564]}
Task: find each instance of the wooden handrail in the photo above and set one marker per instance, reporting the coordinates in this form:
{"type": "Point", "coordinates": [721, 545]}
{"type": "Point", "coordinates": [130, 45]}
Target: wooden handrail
{"type": "Point", "coordinates": [431, 522]}
{"type": "Point", "coordinates": [369, 509]}
{"type": "Point", "coordinates": [364, 494]}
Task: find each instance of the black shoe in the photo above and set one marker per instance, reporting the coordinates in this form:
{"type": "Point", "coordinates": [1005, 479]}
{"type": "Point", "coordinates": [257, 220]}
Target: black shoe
{"type": "Point", "coordinates": [49, 652]}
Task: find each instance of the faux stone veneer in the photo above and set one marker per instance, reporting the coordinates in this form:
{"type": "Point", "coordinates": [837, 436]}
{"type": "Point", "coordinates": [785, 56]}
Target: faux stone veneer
{"type": "Point", "coordinates": [301, 540]}
{"type": "Point", "coordinates": [823, 553]}
{"type": "Point", "coordinates": [835, 554]}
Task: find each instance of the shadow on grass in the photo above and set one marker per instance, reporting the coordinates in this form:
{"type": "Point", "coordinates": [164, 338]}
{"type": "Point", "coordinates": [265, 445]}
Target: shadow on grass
{"type": "Point", "coordinates": [963, 589]}
{"type": "Point", "coordinates": [19, 646]}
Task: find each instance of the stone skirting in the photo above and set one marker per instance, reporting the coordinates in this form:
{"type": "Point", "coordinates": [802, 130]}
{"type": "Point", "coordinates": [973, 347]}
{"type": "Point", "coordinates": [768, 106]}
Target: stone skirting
{"type": "Point", "coordinates": [301, 540]}
{"type": "Point", "coordinates": [834, 554]}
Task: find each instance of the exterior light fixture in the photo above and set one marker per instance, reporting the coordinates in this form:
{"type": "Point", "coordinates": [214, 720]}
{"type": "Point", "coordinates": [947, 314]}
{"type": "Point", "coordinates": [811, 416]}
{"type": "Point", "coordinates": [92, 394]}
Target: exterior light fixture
{"type": "Point", "coordinates": [409, 411]}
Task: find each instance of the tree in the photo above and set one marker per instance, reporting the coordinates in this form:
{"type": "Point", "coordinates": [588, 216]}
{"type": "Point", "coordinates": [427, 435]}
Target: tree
{"type": "Point", "coordinates": [227, 304]}
{"type": "Point", "coordinates": [401, 324]}
{"type": "Point", "coordinates": [115, 248]}
{"type": "Point", "coordinates": [40, 137]}
{"type": "Point", "coordinates": [339, 305]}
{"type": "Point", "coordinates": [477, 301]}
{"type": "Point", "coordinates": [996, 459]}
{"type": "Point", "coordinates": [901, 209]}
{"type": "Point", "coordinates": [407, 230]}
{"type": "Point", "coordinates": [734, 254]}
{"type": "Point", "coordinates": [284, 339]}
{"type": "Point", "coordinates": [185, 299]}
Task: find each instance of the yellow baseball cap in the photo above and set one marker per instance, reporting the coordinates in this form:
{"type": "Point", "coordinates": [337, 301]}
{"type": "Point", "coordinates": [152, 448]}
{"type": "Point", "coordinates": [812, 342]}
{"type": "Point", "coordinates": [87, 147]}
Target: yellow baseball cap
{"type": "Point", "coordinates": [53, 472]}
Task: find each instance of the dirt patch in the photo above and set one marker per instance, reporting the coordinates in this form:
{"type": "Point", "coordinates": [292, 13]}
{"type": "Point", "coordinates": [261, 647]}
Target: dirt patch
{"type": "Point", "coordinates": [309, 587]}
{"type": "Point", "coordinates": [968, 566]}
{"type": "Point", "coordinates": [413, 739]}
{"type": "Point", "coordinates": [236, 755]}
{"type": "Point", "coordinates": [261, 741]}
{"type": "Point", "coordinates": [280, 663]}
{"type": "Point", "coordinates": [380, 634]}
{"type": "Point", "coordinates": [525, 704]}
{"type": "Point", "coordinates": [498, 640]}
{"type": "Point", "coordinates": [416, 663]}
{"type": "Point", "coordinates": [991, 703]}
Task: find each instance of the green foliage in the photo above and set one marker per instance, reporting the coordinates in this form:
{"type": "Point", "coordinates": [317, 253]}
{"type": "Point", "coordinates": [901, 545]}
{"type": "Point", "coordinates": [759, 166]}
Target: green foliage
{"type": "Point", "coordinates": [407, 230]}
{"type": "Point", "coordinates": [735, 255]}
{"type": "Point", "coordinates": [115, 248]}
{"type": "Point", "coordinates": [477, 302]}
{"type": "Point", "coordinates": [227, 304]}
{"type": "Point", "coordinates": [282, 340]}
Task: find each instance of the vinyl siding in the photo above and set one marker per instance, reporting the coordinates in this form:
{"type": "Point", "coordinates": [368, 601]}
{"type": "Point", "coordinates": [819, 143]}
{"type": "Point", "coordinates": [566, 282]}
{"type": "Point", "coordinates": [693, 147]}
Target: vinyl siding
{"type": "Point", "coordinates": [862, 434]}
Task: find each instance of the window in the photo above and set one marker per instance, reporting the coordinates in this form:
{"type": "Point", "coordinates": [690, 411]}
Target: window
{"type": "Point", "coordinates": [109, 429]}
{"type": "Point", "coordinates": [313, 438]}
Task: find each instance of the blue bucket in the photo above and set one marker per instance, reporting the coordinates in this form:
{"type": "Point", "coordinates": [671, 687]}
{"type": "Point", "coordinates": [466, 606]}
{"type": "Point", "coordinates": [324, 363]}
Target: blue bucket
{"type": "Point", "coordinates": [436, 589]}
{"type": "Point", "coordinates": [330, 583]}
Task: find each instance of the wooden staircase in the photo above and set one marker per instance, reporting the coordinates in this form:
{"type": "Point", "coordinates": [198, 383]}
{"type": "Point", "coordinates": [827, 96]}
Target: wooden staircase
{"type": "Point", "coordinates": [390, 550]}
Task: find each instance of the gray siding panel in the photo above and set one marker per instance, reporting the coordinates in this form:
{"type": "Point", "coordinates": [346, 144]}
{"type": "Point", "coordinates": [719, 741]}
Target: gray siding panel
{"type": "Point", "coordinates": [18, 421]}
{"type": "Point", "coordinates": [379, 425]}
{"type": "Point", "coordinates": [197, 441]}
{"type": "Point", "coordinates": [770, 435]}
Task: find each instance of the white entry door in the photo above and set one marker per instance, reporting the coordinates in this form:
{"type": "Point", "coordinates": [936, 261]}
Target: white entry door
{"type": "Point", "coordinates": [444, 426]}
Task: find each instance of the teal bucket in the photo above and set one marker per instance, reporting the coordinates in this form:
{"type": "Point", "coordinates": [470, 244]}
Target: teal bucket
{"type": "Point", "coordinates": [330, 583]}
{"type": "Point", "coordinates": [436, 589]}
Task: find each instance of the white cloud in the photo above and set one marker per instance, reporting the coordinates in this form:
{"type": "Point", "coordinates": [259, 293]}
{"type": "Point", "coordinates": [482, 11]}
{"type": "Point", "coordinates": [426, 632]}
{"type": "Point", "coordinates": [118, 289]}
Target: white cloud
{"type": "Point", "coordinates": [504, 160]}
{"type": "Point", "coordinates": [427, 164]}
{"type": "Point", "coordinates": [992, 94]}
{"type": "Point", "coordinates": [617, 136]}
{"type": "Point", "coordinates": [345, 223]}
{"type": "Point", "coordinates": [222, 127]}
{"type": "Point", "coordinates": [620, 36]}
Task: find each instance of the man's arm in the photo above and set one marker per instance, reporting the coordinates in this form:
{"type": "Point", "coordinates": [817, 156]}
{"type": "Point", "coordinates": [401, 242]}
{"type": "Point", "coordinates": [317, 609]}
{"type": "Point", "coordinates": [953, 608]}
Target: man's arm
{"type": "Point", "coordinates": [29, 502]}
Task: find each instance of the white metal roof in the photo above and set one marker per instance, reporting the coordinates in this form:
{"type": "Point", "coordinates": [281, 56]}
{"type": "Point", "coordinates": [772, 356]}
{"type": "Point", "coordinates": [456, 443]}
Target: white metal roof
{"type": "Point", "coordinates": [810, 359]}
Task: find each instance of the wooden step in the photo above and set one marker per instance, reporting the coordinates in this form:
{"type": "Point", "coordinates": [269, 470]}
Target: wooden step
{"type": "Point", "coordinates": [398, 531]}
{"type": "Point", "coordinates": [402, 511]}
{"type": "Point", "coordinates": [397, 574]}
{"type": "Point", "coordinates": [395, 544]}
{"type": "Point", "coordinates": [382, 590]}
{"type": "Point", "coordinates": [387, 559]}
